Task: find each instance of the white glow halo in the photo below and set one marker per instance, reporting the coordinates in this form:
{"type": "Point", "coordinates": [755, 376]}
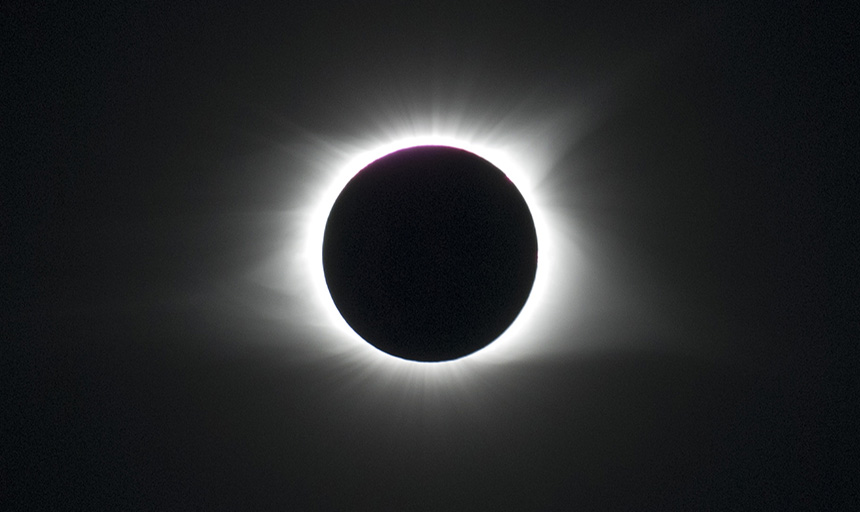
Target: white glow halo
{"type": "Point", "coordinates": [527, 160]}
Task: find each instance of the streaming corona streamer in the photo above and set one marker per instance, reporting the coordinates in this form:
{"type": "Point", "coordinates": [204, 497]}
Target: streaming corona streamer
{"type": "Point", "coordinates": [526, 152]}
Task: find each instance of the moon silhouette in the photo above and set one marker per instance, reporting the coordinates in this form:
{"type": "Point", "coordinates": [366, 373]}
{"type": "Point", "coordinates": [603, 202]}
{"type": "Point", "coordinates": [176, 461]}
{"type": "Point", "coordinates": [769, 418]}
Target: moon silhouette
{"type": "Point", "coordinates": [430, 253]}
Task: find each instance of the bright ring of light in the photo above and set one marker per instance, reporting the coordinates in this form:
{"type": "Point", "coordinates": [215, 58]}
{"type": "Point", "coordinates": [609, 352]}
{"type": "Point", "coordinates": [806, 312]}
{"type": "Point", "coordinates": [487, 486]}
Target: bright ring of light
{"type": "Point", "coordinates": [526, 170]}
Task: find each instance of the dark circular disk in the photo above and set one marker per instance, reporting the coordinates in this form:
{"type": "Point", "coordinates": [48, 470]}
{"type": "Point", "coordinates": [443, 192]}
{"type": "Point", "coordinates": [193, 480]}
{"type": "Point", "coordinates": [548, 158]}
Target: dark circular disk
{"type": "Point", "coordinates": [430, 253]}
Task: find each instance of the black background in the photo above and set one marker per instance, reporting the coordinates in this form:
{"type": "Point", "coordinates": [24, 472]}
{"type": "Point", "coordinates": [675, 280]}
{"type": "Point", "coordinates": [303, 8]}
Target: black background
{"type": "Point", "coordinates": [706, 163]}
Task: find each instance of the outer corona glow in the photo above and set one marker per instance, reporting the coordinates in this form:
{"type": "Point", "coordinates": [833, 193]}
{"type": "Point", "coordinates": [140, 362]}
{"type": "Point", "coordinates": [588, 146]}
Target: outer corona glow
{"type": "Point", "coordinates": [527, 165]}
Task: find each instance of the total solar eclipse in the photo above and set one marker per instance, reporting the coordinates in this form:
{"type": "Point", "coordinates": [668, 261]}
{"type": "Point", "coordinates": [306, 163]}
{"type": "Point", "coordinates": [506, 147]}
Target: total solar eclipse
{"type": "Point", "coordinates": [430, 253]}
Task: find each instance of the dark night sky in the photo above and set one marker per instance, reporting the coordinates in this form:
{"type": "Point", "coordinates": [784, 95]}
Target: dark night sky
{"type": "Point", "coordinates": [160, 157]}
